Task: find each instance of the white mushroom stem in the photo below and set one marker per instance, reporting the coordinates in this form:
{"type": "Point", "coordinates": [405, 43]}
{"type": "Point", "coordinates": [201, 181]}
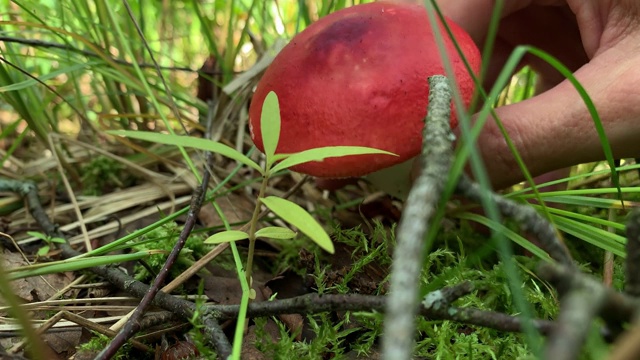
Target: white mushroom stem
{"type": "Point", "coordinates": [424, 196]}
{"type": "Point", "coordinates": [394, 180]}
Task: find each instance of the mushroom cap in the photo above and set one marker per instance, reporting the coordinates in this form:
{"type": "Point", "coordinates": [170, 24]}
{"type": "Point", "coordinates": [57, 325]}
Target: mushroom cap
{"type": "Point", "coordinates": [358, 77]}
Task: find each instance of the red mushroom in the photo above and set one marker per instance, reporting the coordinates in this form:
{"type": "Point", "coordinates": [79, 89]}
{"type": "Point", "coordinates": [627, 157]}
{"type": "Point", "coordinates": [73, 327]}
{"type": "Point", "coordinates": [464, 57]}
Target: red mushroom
{"type": "Point", "coordinates": [358, 77]}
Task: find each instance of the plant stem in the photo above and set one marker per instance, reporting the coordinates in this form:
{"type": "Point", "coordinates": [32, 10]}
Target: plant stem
{"type": "Point", "coordinates": [252, 228]}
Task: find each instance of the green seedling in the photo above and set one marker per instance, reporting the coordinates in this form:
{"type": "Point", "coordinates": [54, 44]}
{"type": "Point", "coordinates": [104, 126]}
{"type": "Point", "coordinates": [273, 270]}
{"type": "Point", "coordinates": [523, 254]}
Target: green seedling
{"type": "Point", "coordinates": [48, 241]}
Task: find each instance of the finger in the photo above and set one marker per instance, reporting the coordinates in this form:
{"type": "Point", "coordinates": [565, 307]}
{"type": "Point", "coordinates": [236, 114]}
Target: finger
{"type": "Point", "coordinates": [555, 129]}
{"type": "Point", "coordinates": [535, 127]}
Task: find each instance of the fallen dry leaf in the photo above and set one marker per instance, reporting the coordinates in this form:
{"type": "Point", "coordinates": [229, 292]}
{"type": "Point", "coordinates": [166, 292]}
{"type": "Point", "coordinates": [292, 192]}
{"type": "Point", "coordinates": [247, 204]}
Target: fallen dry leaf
{"type": "Point", "coordinates": [37, 288]}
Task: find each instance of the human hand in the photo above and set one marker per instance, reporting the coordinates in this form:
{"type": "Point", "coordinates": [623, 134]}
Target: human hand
{"type": "Point", "coordinates": [597, 39]}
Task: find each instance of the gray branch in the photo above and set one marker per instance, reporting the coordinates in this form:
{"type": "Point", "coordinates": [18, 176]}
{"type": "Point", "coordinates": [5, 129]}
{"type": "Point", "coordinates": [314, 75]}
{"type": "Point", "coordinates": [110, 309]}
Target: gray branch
{"type": "Point", "coordinates": [437, 155]}
{"type": "Point", "coordinates": [526, 216]}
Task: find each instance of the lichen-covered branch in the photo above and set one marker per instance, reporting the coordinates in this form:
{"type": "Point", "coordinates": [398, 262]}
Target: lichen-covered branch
{"type": "Point", "coordinates": [437, 155]}
{"type": "Point", "coordinates": [578, 308]}
{"type": "Point", "coordinates": [582, 300]}
{"type": "Point", "coordinates": [526, 216]}
{"type": "Point", "coordinates": [313, 304]}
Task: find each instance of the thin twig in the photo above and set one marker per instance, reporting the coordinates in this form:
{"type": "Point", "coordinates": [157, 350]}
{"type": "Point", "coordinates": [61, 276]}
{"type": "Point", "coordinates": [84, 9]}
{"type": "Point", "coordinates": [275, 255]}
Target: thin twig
{"type": "Point", "coordinates": [578, 308]}
{"type": "Point", "coordinates": [314, 303]}
{"type": "Point", "coordinates": [617, 308]}
{"type": "Point", "coordinates": [167, 88]}
{"type": "Point", "coordinates": [437, 154]}
{"type": "Point", "coordinates": [132, 326]}
{"type": "Point", "coordinates": [526, 216]}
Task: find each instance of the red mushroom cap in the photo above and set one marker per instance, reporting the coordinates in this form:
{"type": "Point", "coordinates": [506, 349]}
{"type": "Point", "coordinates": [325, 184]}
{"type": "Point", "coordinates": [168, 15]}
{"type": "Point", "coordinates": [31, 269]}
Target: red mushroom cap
{"type": "Point", "coordinates": [358, 77]}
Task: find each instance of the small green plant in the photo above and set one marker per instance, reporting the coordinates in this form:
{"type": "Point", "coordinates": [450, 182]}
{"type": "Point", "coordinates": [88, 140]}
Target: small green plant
{"type": "Point", "coordinates": [48, 241]}
{"type": "Point", "coordinates": [285, 209]}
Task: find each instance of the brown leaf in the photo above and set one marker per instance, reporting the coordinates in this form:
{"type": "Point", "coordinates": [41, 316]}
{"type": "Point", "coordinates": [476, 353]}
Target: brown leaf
{"type": "Point", "coordinates": [37, 288]}
{"type": "Point", "coordinates": [64, 342]}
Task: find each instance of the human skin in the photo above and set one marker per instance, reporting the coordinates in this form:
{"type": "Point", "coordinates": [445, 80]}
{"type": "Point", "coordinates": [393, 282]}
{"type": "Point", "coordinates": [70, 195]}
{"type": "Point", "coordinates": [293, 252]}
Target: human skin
{"type": "Point", "coordinates": [597, 39]}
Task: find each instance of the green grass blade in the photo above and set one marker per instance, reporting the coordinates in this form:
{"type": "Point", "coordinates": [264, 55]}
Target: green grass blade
{"type": "Point", "coordinates": [603, 239]}
{"type": "Point", "coordinates": [508, 233]}
{"type": "Point", "coordinates": [75, 264]}
{"type": "Point", "coordinates": [190, 142]}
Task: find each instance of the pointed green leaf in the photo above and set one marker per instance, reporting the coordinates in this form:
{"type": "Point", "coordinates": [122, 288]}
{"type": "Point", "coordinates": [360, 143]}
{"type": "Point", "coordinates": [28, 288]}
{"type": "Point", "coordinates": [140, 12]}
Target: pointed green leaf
{"type": "Point", "coordinates": [226, 236]}
{"type": "Point", "coordinates": [190, 142]}
{"type": "Point", "coordinates": [270, 125]}
{"type": "Point", "coordinates": [319, 154]}
{"type": "Point", "coordinates": [276, 232]}
{"type": "Point", "coordinates": [37, 235]}
{"type": "Point", "coordinates": [278, 157]}
{"type": "Point", "coordinates": [43, 250]}
{"type": "Point", "coordinates": [300, 218]}
{"type": "Point", "coordinates": [74, 264]}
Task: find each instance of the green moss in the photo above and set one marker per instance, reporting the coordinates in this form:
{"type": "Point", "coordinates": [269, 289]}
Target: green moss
{"type": "Point", "coordinates": [98, 342]}
{"type": "Point", "coordinates": [102, 174]}
{"type": "Point", "coordinates": [446, 265]}
{"type": "Point", "coordinates": [164, 238]}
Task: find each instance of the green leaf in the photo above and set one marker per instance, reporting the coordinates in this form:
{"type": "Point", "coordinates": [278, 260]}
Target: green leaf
{"type": "Point", "coordinates": [226, 236]}
{"type": "Point", "coordinates": [319, 154]}
{"type": "Point", "coordinates": [38, 235]}
{"type": "Point", "coordinates": [300, 218]}
{"type": "Point", "coordinates": [74, 264]}
{"type": "Point", "coordinates": [43, 250]}
{"type": "Point", "coordinates": [270, 126]}
{"type": "Point", "coordinates": [58, 240]}
{"type": "Point", "coordinates": [190, 142]}
{"type": "Point", "coordinates": [276, 232]}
